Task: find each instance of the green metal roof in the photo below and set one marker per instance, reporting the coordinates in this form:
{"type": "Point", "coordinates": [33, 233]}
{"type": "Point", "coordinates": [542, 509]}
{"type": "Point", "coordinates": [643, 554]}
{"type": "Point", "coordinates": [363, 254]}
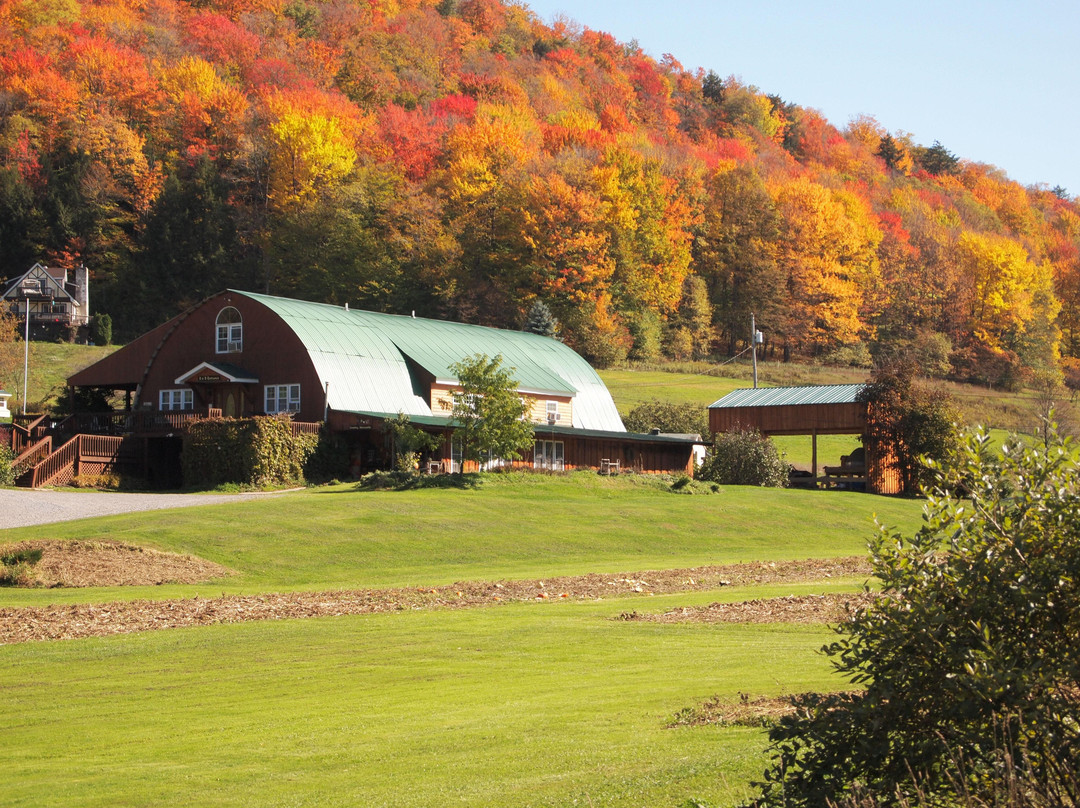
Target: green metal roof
{"type": "Point", "coordinates": [365, 358]}
{"type": "Point", "coordinates": [788, 396]}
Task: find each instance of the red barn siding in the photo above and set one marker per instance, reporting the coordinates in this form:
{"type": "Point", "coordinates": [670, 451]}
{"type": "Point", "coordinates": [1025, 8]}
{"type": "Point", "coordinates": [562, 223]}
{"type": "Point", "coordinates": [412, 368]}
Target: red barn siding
{"type": "Point", "coordinates": [267, 343]}
{"type": "Point", "coordinates": [792, 419]}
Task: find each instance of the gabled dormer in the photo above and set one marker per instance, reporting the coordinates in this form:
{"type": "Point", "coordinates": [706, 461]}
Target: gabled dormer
{"type": "Point", "coordinates": [51, 296]}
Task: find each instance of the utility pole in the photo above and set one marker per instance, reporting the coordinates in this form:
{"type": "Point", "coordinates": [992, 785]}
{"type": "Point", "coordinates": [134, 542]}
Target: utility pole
{"type": "Point", "coordinates": [753, 345]}
{"type": "Point", "coordinates": [26, 356]}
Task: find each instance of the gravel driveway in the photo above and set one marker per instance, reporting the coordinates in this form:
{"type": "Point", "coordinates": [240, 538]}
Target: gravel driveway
{"type": "Point", "coordinates": [21, 507]}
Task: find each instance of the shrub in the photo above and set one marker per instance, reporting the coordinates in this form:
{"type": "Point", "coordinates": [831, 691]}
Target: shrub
{"type": "Point", "coordinates": [969, 655]}
{"type": "Point", "coordinates": [329, 460]}
{"type": "Point", "coordinates": [406, 481]}
{"type": "Point", "coordinates": [256, 451]}
{"type": "Point", "coordinates": [102, 482]}
{"type": "Point", "coordinates": [101, 329]}
{"type": "Point", "coordinates": [8, 472]}
{"type": "Point", "coordinates": [16, 566]}
{"type": "Point", "coordinates": [409, 442]}
{"type": "Point", "coordinates": [681, 419]}
{"type": "Point", "coordinates": [744, 457]}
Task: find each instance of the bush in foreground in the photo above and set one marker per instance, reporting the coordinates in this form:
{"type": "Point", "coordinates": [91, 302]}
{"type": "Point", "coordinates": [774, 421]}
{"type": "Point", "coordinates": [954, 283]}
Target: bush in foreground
{"type": "Point", "coordinates": [970, 655]}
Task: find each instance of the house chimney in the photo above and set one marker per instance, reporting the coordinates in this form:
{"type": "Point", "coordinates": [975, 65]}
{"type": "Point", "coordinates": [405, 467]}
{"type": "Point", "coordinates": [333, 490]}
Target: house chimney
{"type": "Point", "coordinates": [82, 291]}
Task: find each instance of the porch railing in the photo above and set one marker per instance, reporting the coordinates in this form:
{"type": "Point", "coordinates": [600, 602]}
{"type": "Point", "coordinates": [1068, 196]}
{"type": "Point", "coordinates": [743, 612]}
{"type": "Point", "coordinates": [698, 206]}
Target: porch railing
{"type": "Point", "coordinates": [151, 422]}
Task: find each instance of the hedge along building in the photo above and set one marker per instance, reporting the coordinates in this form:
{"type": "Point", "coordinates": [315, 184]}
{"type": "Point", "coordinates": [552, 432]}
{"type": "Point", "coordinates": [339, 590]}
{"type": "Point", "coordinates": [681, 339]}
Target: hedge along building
{"type": "Point", "coordinates": [248, 354]}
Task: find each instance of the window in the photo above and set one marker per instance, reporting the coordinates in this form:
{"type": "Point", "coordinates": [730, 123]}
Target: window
{"type": "Point", "coordinates": [455, 454]}
{"type": "Point", "coordinates": [552, 412]}
{"type": "Point", "coordinates": [548, 454]}
{"type": "Point", "coordinates": [180, 399]}
{"type": "Point", "coordinates": [230, 331]}
{"type": "Point", "coordinates": [282, 398]}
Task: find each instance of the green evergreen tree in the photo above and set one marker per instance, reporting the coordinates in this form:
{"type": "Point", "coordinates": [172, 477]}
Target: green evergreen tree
{"type": "Point", "coordinates": [541, 321]}
{"type": "Point", "coordinates": [890, 151]}
{"type": "Point", "coordinates": [936, 159]}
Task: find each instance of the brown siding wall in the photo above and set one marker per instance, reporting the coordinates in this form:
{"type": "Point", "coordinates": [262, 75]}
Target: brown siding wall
{"type": "Point", "coordinates": [795, 419]}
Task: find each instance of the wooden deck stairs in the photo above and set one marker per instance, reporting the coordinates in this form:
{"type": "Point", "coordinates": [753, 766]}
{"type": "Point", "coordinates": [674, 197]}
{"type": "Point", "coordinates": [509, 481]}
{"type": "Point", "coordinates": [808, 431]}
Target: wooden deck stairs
{"type": "Point", "coordinates": [49, 453]}
{"type": "Point", "coordinates": [52, 454]}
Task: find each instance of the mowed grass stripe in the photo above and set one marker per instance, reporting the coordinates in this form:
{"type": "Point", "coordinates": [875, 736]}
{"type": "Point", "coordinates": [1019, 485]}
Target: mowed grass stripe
{"type": "Point", "coordinates": [524, 705]}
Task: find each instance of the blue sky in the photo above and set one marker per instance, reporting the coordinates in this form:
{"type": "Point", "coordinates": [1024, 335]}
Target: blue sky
{"type": "Point", "coordinates": [995, 82]}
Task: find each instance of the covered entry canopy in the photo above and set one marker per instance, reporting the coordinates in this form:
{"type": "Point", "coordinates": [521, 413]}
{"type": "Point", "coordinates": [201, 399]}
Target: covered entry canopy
{"type": "Point", "coordinates": [812, 410]}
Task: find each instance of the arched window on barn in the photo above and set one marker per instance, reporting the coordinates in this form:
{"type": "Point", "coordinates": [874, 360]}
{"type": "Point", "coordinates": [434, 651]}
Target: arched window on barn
{"type": "Point", "coordinates": [230, 331]}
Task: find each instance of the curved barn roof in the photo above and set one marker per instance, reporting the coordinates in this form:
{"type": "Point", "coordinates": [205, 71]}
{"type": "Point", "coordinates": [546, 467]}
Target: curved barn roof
{"type": "Point", "coordinates": [367, 358]}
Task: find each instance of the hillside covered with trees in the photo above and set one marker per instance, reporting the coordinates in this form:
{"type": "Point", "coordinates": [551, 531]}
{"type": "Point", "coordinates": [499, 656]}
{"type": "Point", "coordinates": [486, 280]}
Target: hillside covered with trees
{"type": "Point", "coordinates": [462, 159]}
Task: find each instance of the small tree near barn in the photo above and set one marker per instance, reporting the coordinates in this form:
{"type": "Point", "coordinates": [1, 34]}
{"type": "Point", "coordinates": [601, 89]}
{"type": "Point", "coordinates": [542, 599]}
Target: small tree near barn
{"type": "Point", "coordinates": [910, 422]}
{"type": "Point", "coordinates": [409, 443]}
{"type": "Point", "coordinates": [489, 412]}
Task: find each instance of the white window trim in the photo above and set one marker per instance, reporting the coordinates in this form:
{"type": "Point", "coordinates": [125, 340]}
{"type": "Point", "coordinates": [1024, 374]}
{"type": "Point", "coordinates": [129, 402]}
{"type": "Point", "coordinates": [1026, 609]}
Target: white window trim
{"type": "Point", "coordinates": [549, 454]}
{"type": "Point", "coordinates": [169, 399]}
{"type": "Point", "coordinates": [273, 398]}
{"type": "Point", "coordinates": [551, 411]}
{"type": "Point", "coordinates": [229, 336]}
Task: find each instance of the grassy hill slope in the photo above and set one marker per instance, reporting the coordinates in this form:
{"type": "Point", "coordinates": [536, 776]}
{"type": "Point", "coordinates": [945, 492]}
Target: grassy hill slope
{"type": "Point", "coordinates": [513, 526]}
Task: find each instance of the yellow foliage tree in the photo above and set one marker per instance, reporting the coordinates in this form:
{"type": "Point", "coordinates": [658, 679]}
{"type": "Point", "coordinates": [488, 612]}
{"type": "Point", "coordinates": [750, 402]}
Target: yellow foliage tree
{"type": "Point", "coordinates": [828, 249]}
{"type": "Point", "coordinates": [308, 152]}
{"type": "Point", "coordinates": [1009, 299]}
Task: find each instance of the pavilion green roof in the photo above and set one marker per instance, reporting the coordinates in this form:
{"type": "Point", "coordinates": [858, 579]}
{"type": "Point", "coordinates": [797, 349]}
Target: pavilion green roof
{"type": "Point", "coordinates": [789, 396]}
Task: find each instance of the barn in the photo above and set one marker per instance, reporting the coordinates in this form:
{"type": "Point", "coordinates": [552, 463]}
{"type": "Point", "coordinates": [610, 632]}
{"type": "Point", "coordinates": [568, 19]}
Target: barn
{"type": "Point", "coordinates": [240, 354]}
{"type": "Point", "coordinates": [812, 410]}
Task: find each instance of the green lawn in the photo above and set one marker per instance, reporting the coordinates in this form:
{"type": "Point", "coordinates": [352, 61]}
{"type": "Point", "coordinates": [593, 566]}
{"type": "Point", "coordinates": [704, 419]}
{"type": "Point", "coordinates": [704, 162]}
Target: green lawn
{"type": "Point", "coordinates": [515, 708]}
{"type": "Point", "coordinates": [632, 387]}
{"type": "Point", "coordinates": [548, 704]}
{"type": "Point", "coordinates": [50, 365]}
{"type": "Point", "coordinates": [538, 704]}
{"type": "Point", "coordinates": [513, 526]}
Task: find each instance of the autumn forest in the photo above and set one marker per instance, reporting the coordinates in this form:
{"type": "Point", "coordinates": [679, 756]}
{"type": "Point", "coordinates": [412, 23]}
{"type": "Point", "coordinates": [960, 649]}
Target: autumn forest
{"type": "Point", "coordinates": [462, 159]}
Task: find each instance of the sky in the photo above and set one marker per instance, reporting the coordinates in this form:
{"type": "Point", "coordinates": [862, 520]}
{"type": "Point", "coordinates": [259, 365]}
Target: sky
{"type": "Point", "coordinates": [995, 82]}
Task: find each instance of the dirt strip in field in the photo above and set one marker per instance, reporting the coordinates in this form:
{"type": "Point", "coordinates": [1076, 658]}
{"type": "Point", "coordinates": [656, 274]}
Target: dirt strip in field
{"type": "Point", "coordinates": [86, 620]}
{"type": "Point", "coordinates": [830, 608]}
